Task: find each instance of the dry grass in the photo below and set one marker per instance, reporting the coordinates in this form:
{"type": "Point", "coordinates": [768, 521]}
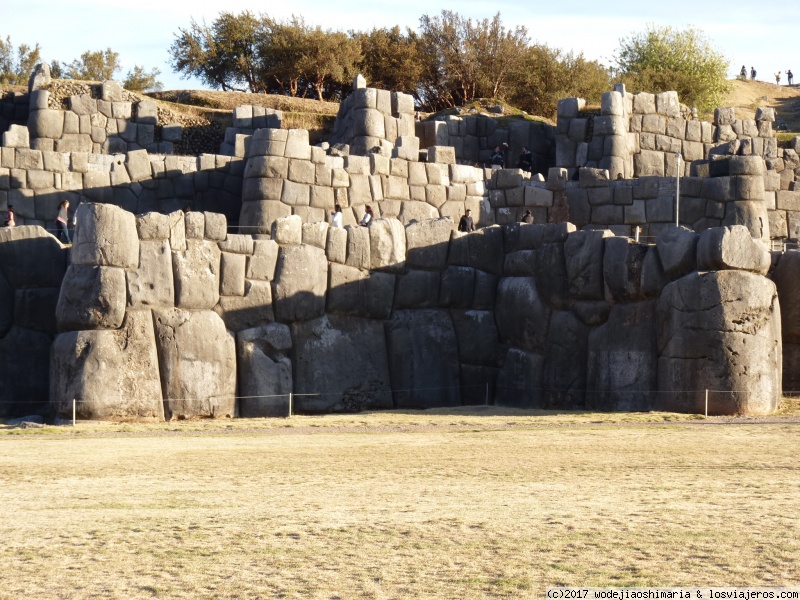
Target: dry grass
{"type": "Point", "coordinates": [747, 96]}
{"type": "Point", "coordinates": [496, 504]}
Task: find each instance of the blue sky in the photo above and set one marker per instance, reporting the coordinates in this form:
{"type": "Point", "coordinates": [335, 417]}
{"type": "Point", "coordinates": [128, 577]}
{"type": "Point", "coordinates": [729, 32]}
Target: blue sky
{"type": "Point", "coordinates": [755, 34]}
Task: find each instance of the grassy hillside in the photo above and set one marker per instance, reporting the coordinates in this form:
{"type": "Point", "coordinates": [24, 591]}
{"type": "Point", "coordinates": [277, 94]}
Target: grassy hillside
{"type": "Point", "coordinates": [746, 96]}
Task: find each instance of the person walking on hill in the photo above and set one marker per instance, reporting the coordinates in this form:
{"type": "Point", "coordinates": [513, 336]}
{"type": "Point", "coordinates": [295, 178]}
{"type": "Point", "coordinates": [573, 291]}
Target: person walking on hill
{"type": "Point", "coordinates": [790, 77]}
{"type": "Point", "coordinates": [752, 73]}
{"type": "Point", "coordinates": [465, 223]}
{"type": "Point", "coordinates": [778, 78]}
{"type": "Point", "coordinates": [61, 222]}
{"type": "Point", "coordinates": [743, 73]}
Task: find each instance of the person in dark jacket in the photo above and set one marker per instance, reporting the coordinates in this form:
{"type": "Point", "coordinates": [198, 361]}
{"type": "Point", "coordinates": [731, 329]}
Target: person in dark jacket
{"type": "Point", "coordinates": [62, 220]}
{"type": "Point", "coordinates": [525, 159]}
{"type": "Point", "coordinates": [466, 224]}
{"type": "Point", "coordinates": [498, 158]}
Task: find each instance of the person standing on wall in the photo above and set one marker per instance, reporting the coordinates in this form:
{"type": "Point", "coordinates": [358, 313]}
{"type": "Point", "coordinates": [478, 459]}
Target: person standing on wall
{"type": "Point", "coordinates": [366, 220]}
{"type": "Point", "coordinates": [61, 222]}
{"type": "Point", "coordinates": [465, 223]}
{"type": "Point", "coordinates": [336, 217]}
{"type": "Point", "coordinates": [498, 158]}
{"type": "Point", "coordinates": [525, 159]}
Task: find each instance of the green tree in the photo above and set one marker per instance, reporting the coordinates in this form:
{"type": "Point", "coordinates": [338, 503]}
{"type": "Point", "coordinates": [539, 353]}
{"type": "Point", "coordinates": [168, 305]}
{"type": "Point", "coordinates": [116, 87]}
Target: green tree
{"type": "Point", "coordinates": [224, 55]}
{"type": "Point", "coordinates": [663, 58]}
{"type": "Point", "coordinates": [139, 80]}
{"type": "Point", "coordinates": [99, 65]}
{"type": "Point", "coordinates": [329, 57]}
{"type": "Point", "coordinates": [390, 59]}
{"type": "Point", "coordinates": [547, 75]}
{"type": "Point", "coordinates": [16, 65]}
{"type": "Point", "coordinates": [463, 60]}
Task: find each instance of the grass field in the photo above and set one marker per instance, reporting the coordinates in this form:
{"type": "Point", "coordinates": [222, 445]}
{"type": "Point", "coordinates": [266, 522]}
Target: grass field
{"type": "Point", "coordinates": [437, 504]}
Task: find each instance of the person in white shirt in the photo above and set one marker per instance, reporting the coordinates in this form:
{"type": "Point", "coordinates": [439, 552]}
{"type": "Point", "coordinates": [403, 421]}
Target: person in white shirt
{"type": "Point", "coordinates": [336, 217]}
{"type": "Point", "coordinates": [366, 220]}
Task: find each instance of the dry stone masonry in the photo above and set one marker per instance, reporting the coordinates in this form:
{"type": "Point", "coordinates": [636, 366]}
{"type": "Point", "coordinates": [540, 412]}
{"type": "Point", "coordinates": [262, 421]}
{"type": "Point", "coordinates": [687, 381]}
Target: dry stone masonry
{"type": "Point", "coordinates": [156, 313]}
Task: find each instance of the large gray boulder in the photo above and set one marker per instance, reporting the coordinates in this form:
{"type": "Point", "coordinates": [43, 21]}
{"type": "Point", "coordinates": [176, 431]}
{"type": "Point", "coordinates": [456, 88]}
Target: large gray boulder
{"type": "Point", "coordinates": [552, 279]}
{"type": "Point", "coordinates": [478, 340]}
{"type": "Point", "coordinates": [152, 283]}
{"type": "Point", "coordinates": [423, 359]}
{"type": "Point", "coordinates": [249, 310]}
{"type": "Point", "coordinates": [196, 275]}
{"type": "Point", "coordinates": [417, 289]}
{"type": "Point", "coordinates": [486, 250]}
{"type": "Point", "coordinates": [91, 298]}
{"type": "Point", "coordinates": [427, 243]}
{"type": "Point", "coordinates": [6, 305]}
{"type": "Point", "coordinates": [31, 257]}
{"type": "Point", "coordinates": [387, 245]}
{"type": "Point", "coordinates": [35, 308]}
{"type": "Point", "coordinates": [564, 374]}
{"type": "Point", "coordinates": [105, 235]}
{"type": "Point", "coordinates": [677, 249]}
{"type": "Point", "coordinates": [731, 248]}
{"type": "Point", "coordinates": [301, 279]}
{"type": "Point", "coordinates": [265, 370]}
{"type": "Point", "coordinates": [197, 360]}
{"type": "Point", "coordinates": [24, 361]}
{"type": "Point", "coordinates": [787, 281]}
{"type": "Point", "coordinates": [583, 253]}
{"type": "Point", "coordinates": [623, 264]}
{"type": "Point", "coordinates": [521, 314]}
{"type": "Point", "coordinates": [719, 331]}
{"type": "Point", "coordinates": [359, 293]}
{"type": "Point", "coordinates": [519, 382]}
{"type": "Point", "coordinates": [622, 365]}
{"type": "Point", "coordinates": [112, 375]}
{"type": "Point", "coordinates": [340, 365]}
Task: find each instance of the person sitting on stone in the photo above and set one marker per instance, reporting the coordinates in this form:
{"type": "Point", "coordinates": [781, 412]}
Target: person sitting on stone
{"type": "Point", "coordinates": [10, 222]}
{"type": "Point", "coordinates": [465, 223]}
{"type": "Point", "coordinates": [336, 217]}
{"type": "Point", "coordinates": [527, 217]}
{"type": "Point", "coordinates": [525, 159]}
{"type": "Point", "coordinates": [366, 220]}
{"type": "Point", "coordinates": [61, 222]}
{"type": "Point", "coordinates": [498, 158]}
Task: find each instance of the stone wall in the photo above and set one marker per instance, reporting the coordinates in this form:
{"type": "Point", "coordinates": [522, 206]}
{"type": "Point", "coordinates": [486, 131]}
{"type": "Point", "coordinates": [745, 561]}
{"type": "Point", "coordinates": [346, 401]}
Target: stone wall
{"type": "Point", "coordinates": [285, 175]}
{"type": "Point", "coordinates": [639, 135]}
{"type": "Point", "coordinates": [105, 125]}
{"type": "Point", "coordinates": [32, 266]}
{"type": "Point", "coordinates": [376, 121]}
{"type": "Point", "coordinates": [35, 182]}
{"type": "Point", "coordinates": [474, 138]}
{"type": "Point", "coordinates": [407, 316]}
{"type": "Point", "coordinates": [13, 110]}
{"type": "Point", "coordinates": [246, 119]}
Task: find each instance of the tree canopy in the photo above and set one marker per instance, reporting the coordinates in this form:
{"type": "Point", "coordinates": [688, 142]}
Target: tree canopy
{"type": "Point", "coordinates": [663, 58]}
{"type": "Point", "coordinates": [16, 64]}
{"type": "Point", "coordinates": [449, 61]}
